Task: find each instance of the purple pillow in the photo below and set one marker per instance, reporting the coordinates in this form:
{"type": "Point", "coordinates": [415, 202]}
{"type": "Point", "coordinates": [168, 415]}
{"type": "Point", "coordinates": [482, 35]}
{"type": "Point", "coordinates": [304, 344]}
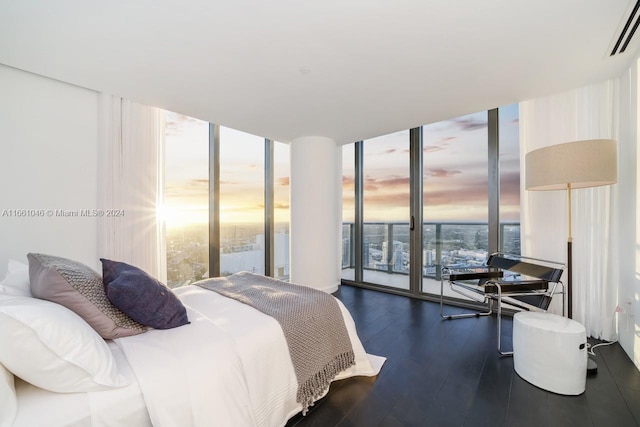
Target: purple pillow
{"type": "Point", "coordinates": [142, 297]}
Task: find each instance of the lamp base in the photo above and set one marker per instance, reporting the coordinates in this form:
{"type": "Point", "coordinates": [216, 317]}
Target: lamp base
{"type": "Point", "coordinates": [592, 366]}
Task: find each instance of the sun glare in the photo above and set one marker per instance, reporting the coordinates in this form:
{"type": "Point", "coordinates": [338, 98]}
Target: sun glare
{"type": "Point", "coordinates": [184, 216]}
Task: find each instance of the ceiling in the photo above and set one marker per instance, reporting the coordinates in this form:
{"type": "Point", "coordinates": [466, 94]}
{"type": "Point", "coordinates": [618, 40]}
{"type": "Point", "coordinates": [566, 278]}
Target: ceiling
{"type": "Point", "coordinates": [343, 69]}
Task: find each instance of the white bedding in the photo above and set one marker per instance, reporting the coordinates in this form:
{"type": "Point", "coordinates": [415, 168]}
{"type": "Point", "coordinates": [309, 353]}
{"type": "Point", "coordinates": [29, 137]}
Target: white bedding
{"type": "Point", "coordinates": [229, 367]}
{"type": "Point", "coordinates": [117, 407]}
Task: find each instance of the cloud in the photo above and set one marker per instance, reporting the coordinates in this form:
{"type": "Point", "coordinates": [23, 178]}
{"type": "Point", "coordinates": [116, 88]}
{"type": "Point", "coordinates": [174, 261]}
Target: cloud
{"type": "Point", "coordinates": [432, 148]}
{"type": "Point", "coordinates": [348, 197]}
{"type": "Point", "coordinates": [392, 199]}
{"type": "Point", "coordinates": [348, 180]}
{"type": "Point", "coordinates": [453, 198]}
{"type": "Point", "coordinates": [443, 144]}
{"type": "Point", "coordinates": [393, 150]}
{"type": "Point", "coordinates": [441, 173]}
{"type": "Point", "coordinates": [348, 183]}
{"type": "Point", "coordinates": [394, 181]}
{"type": "Point", "coordinates": [391, 182]}
{"type": "Point", "coordinates": [510, 188]}
{"type": "Point", "coordinates": [277, 205]}
{"type": "Point", "coordinates": [283, 181]}
{"type": "Point", "coordinates": [174, 122]}
{"type": "Point", "coordinates": [368, 186]}
{"type": "Point", "coordinates": [469, 124]}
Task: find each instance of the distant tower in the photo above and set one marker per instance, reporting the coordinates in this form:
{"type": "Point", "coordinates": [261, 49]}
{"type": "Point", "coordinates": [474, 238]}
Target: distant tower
{"type": "Point", "coordinates": [397, 256]}
{"type": "Point", "coordinates": [365, 253]}
{"type": "Point", "coordinates": [346, 252]}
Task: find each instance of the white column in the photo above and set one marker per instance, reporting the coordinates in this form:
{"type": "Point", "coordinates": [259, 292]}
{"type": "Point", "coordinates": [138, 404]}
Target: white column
{"type": "Point", "coordinates": [316, 204]}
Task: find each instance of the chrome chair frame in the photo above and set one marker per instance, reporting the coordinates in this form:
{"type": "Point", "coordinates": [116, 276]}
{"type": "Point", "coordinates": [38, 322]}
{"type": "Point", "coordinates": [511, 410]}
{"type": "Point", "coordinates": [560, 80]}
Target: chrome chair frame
{"type": "Point", "coordinates": [487, 285]}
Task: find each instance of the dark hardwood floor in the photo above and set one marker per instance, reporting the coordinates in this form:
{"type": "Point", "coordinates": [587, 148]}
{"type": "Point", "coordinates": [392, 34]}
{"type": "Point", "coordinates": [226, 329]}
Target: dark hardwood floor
{"type": "Point", "coordinates": [448, 373]}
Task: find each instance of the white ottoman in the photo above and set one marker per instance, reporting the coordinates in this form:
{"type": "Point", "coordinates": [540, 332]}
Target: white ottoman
{"type": "Point", "coordinates": [550, 352]}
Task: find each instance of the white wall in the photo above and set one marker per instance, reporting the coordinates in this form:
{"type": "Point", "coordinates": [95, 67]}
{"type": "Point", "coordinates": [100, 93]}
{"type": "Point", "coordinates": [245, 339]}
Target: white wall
{"type": "Point", "coordinates": [48, 160]}
{"type": "Point", "coordinates": [629, 221]}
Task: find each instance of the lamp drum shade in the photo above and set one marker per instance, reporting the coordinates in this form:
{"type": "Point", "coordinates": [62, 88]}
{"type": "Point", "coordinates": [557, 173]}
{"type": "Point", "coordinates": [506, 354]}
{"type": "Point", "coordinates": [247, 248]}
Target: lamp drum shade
{"type": "Point", "coordinates": [583, 164]}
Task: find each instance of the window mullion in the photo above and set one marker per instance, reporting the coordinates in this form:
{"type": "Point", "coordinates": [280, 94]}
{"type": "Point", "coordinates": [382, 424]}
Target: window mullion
{"type": "Point", "coordinates": [358, 214]}
{"type": "Point", "coordinates": [269, 206]}
{"type": "Point", "coordinates": [416, 210]}
{"type": "Point", "coordinates": [493, 141]}
{"type": "Point", "coordinates": [214, 200]}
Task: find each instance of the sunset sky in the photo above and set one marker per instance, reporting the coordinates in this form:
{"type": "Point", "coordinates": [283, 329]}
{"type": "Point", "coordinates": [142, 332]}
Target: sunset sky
{"type": "Point", "coordinates": [455, 172]}
{"type": "Point", "coordinates": [241, 174]}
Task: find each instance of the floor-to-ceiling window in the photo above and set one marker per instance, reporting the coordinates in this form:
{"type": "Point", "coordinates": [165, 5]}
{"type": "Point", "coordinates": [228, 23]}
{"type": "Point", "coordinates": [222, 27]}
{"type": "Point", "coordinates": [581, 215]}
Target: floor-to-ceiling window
{"type": "Point", "coordinates": [348, 211]}
{"type": "Point", "coordinates": [385, 245]}
{"type": "Point", "coordinates": [242, 227]}
{"type": "Point", "coordinates": [470, 200]}
{"type": "Point", "coordinates": [186, 199]}
{"type": "Point", "coordinates": [281, 210]}
{"type": "Point", "coordinates": [455, 200]}
{"type": "Point", "coordinates": [509, 179]}
{"type": "Point", "coordinates": [238, 189]}
{"type": "Point", "coordinates": [455, 213]}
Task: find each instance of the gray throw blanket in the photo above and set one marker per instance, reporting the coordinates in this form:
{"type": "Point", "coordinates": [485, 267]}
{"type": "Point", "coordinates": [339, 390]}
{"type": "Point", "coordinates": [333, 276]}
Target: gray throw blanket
{"type": "Point", "coordinates": [312, 323]}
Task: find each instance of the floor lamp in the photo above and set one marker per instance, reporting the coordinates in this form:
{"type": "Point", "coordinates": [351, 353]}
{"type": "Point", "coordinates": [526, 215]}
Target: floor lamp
{"type": "Point", "coordinates": [573, 165]}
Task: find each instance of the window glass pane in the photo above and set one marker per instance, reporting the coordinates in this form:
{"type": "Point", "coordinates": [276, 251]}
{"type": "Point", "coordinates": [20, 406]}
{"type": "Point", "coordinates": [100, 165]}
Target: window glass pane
{"type": "Point", "coordinates": [386, 210]}
{"type": "Point", "coordinates": [348, 183]}
{"type": "Point", "coordinates": [241, 202]}
{"type": "Point", "coordinates": [281, 214]}
{"type": "Point", "coordinates": [509, 179]}
{"type": "Point", "coordinates": [348, 211]}
{"type": "Point", "coordinates": [186, 199]}
{"type": "Point", "coordinates": [455, 196]}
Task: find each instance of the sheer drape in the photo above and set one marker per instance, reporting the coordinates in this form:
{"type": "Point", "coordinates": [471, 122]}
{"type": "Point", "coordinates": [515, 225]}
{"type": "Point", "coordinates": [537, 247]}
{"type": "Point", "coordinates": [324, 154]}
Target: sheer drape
{"type": "Point", "coordinates": [130, 177]}
{"type": "Point", "coordinates": [586, 113]}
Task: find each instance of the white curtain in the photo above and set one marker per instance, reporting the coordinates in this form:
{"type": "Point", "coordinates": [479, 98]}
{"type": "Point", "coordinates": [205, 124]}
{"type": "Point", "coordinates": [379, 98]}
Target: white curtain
{"type": "Point", "coordinates": [586, 113]}
{"type": "Point", "coordinates": [131, 181]}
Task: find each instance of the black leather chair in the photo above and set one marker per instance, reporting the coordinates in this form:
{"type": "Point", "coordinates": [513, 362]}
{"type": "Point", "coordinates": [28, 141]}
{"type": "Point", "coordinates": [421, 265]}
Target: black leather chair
{"type": "Point", "coordinates": [521, 282]}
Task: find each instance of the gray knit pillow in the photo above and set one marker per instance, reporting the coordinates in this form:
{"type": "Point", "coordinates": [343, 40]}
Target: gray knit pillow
{"type": "Point", "coordinates": [80, 289]}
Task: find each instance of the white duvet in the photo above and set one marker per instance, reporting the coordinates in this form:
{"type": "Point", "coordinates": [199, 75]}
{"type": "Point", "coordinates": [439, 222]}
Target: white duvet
{"type": "Point", "coordinates": [229, 367]}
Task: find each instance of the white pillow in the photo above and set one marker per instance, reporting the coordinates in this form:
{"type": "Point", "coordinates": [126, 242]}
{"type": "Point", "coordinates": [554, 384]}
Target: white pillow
{"type": "Point", "coordinates": [8, 402]}
{"type": "Point", "coordinates": [51, 347]}
{"type": "Point", "coordinates": [16, 282]}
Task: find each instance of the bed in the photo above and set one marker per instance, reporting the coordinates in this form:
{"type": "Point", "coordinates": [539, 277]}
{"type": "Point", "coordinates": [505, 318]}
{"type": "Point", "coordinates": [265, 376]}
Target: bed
{"type": "Point", "coordinates": [229, 366]}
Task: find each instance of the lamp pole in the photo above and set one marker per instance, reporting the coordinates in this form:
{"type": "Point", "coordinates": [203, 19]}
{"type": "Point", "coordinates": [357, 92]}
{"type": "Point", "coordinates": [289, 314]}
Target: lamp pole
{"type": "Point", "coordinates": [569, 256]}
